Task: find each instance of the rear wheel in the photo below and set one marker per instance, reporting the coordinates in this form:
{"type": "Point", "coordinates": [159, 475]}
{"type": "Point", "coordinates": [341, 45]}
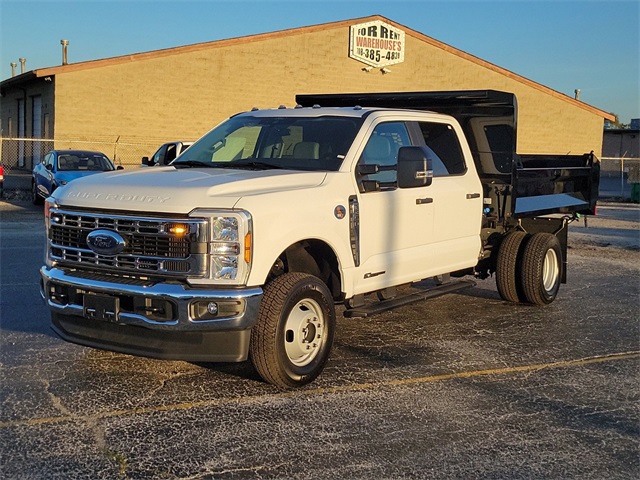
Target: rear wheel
{"type": "Point", "coordinates": [507, 264]}
{"type": "Point", "coordinates": [541, 268]}
{"type": "Point", "coordinates": [292, 339]}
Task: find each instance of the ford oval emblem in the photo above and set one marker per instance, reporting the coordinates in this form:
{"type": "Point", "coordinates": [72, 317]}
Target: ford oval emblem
{"type": "Point", "coordinates": [105, 242]}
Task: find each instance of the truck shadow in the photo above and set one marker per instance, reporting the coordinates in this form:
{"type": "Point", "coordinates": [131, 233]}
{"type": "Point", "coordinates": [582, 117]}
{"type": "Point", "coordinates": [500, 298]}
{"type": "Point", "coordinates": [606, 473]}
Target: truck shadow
{"type": "Point", "coordinates": [243, 370]}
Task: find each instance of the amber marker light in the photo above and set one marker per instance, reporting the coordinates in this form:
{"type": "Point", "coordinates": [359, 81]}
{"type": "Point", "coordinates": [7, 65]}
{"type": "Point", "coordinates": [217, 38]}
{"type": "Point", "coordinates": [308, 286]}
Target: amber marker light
{"type": "Point", "coordinates": [247, 248]}
{"type": "Point", "coordinates": [178, 229]}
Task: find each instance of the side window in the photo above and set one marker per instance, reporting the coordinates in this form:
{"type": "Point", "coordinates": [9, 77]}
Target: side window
{"type": "Point", "coordinates": [171, 153]}
{"type": "Point", "coordinates": [382, 150]}
{"type": "Point", "coordinates": [500, 138]}
{"type": "Point", "coordinates": [442, 142]}
{"type": "Point", "coordinates": [158, 157]}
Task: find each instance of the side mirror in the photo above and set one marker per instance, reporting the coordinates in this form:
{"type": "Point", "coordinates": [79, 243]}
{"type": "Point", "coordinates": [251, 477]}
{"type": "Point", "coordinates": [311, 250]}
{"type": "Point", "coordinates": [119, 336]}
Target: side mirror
{"type": "Point", "coordinates": [145, 161]}
{"type": "Point", "coordinates": [119, 167]}
{"type": "Point", "coordinates": [414, 167]}
{"type": "Point", "coordinates": [49, 167]}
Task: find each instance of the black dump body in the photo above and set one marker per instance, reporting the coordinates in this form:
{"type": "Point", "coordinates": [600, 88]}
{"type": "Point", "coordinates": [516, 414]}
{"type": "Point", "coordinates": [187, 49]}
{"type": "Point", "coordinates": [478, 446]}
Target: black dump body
{"type": "Point", "coordinates": [519, 186]}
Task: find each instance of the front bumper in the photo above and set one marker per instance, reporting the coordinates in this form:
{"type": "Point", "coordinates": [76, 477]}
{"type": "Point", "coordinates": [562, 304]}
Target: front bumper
{"type": "Point", "coordinates": [160, 320]}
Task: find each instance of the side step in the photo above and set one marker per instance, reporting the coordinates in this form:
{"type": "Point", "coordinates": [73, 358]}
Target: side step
{"type": "Point", "coordinates": [386, 305]}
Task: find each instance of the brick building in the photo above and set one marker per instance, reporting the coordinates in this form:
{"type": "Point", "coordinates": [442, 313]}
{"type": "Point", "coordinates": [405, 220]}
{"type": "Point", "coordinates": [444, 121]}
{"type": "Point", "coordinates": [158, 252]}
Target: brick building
{"type": "Point", "coordinates": [182, 92]}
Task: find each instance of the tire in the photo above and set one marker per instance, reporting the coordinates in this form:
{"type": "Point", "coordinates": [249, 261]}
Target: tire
{"type": "Point", "coordinates": [292, 338]}
{"type": "Point", "coordinates": [541, 271]}
{"type": "Point", "coordinates": [507, 266]}
{"type": "Point", "coordinates": [36, 199]}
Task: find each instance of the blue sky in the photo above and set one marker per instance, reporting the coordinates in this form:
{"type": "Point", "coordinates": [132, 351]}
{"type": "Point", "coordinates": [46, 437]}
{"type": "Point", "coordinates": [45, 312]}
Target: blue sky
{"type": "Point", "coordinates": [564, 44]}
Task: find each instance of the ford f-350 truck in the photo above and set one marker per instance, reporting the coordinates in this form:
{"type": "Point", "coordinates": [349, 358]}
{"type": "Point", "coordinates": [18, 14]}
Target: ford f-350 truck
{"type": "Point", "coordinates": [244, 245]}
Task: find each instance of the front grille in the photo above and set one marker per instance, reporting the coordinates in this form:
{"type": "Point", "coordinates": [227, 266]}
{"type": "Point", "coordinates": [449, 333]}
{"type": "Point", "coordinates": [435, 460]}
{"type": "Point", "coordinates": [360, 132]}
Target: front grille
{"type": "Point", "coordinates": [150, 245]}
{"type": "Point", "coordinates": [136, 244]}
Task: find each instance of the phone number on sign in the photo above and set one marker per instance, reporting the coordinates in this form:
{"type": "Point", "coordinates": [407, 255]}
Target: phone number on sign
{"type": "Point", "coordinates": [377, 55]}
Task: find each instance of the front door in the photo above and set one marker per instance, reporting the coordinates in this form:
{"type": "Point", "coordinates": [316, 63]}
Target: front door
{"type": "Point", "coordinates": [414, 233]}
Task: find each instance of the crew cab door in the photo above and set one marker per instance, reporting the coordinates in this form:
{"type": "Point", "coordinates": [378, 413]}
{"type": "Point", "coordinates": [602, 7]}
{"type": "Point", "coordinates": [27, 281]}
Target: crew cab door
{"type": "Point", "coordinates": [408, 234]}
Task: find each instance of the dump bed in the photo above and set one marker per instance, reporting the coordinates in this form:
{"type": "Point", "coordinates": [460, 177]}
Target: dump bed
{"type": "Point", "coordinates": [518, 186]}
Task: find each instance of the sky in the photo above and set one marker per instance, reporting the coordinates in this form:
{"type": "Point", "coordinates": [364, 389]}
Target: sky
{"type": "Point", "coordinates": [591, 45]}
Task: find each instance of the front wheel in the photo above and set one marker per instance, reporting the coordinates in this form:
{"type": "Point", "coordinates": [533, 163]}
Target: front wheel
{"type": "Point", "coordinates": [541, 268]}
{"type": "Point", "coordinates": [292, 339]}
{"type": "Point", "coordinates": [36, 199]}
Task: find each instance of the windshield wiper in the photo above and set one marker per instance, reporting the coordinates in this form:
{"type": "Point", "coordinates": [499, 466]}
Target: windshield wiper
{"type": "Point", "coordinates": [253, 165]}
{"type": "Point", "coordinates": [192, 163]}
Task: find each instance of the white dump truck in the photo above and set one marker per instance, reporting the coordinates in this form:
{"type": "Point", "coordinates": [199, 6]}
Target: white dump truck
{"type": "Point", "coordinates": [243, 246]}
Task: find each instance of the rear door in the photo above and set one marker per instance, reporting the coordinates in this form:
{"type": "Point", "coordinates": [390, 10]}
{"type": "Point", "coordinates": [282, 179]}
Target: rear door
{"type": "Point", "coordinates": [457, 198]}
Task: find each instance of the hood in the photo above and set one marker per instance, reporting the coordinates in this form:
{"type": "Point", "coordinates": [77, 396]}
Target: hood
{"type": "Point", "coordinates": [171, 190]}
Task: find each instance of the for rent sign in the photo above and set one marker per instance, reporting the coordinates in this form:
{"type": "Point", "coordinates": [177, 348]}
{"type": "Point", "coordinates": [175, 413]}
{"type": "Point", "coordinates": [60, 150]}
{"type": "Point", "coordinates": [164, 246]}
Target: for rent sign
{"type": "Point", "coordinates": [376, 43]}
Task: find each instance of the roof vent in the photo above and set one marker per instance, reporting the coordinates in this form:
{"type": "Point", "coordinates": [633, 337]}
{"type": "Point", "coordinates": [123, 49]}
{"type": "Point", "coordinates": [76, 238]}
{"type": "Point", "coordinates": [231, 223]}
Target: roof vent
{"type": "Point", "coordinates": [282, 107]}
{"type": "Point", "coordinates": [316, 106]}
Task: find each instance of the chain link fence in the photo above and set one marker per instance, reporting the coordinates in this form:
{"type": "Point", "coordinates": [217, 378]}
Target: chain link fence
{"type": "Point", "coordinates": [21, 154]}
{"type": "Point", "coordinates": [620, 178]}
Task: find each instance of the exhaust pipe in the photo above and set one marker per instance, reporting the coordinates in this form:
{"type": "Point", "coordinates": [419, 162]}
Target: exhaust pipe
{"type": "Point", "coordinates": [65, 45]}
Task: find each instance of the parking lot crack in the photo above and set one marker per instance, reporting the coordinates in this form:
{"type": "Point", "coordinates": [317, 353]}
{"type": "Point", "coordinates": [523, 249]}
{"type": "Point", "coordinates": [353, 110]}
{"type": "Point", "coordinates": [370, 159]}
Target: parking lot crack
{"type": "Point", "coordinates": [162, 384]}
{"type": "Point", "coordinates": [55, 400]}
{"type": "Point", "coordinates": [216, 473]}
{"type": "Point", "coordinates": [94, 425]}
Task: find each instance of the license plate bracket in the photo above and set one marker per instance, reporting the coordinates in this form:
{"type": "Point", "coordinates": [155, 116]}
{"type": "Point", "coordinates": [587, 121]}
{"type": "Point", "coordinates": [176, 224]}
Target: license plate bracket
{"type": "Point", "coordinates": [97, 306]}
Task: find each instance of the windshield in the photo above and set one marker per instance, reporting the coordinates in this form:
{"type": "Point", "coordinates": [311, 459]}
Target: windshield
{"type": "Point", "coordinates": [84, 161]}
{"type": "Point", "coordinates": [294, 143]}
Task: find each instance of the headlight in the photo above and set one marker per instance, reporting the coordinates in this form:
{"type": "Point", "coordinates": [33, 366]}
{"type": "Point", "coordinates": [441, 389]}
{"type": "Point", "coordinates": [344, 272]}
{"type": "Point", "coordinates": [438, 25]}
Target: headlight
{"type": "Point", "coordinates": [230, 246]}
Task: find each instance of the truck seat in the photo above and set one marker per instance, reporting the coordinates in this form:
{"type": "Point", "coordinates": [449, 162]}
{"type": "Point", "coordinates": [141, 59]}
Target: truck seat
{"type": "Point", "coordinates": [308, 150]}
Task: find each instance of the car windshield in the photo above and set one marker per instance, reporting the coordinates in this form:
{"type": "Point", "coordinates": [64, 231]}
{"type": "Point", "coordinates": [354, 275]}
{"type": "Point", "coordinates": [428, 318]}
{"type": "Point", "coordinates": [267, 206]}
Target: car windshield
{"type": "Point", "coordinates": [294, 143]}
{"type": "Point", "coordinates": [84, 161]}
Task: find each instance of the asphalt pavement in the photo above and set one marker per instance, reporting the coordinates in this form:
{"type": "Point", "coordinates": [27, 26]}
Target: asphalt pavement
{"type": "Point", "coordinates": [462, 386]}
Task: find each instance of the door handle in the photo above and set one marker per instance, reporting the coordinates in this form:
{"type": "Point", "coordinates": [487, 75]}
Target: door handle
{"type": "Point", "coordinates": [421, 201]}
{"type": "Point", "coordinates": [472, 195]}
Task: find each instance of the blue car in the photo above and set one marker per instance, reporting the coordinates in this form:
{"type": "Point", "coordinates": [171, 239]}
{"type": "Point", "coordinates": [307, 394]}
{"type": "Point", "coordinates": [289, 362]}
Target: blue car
{"type": "Point", "coordinates": [59, 167]}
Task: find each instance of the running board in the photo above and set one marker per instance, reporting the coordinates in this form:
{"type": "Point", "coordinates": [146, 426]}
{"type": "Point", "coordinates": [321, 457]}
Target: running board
{"type": "Point", "coordinates": [386, 305]}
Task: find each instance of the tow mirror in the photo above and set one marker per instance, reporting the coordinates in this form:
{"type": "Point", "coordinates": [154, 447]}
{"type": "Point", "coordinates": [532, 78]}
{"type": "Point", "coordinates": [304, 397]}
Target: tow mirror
{"type": "Point", "coordinates": [414, 167]}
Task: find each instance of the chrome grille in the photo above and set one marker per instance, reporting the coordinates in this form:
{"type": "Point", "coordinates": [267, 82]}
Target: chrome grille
{"type": "Point", "coordinates": [150, 245]}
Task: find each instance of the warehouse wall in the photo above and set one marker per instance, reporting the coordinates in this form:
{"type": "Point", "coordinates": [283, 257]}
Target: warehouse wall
{"type": "Point", "coordinates": [182, 93]}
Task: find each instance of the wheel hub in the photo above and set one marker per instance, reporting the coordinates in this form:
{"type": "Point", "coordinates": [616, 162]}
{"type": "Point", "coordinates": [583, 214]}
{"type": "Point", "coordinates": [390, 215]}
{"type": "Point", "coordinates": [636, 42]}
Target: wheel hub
{"type": "Point", "coordinates": [550, 270]}
{"type": "Point", "coordinates": [303, 332]}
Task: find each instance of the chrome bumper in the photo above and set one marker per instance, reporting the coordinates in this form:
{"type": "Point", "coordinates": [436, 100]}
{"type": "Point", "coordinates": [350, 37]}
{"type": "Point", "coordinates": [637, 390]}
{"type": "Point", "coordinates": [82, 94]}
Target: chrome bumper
{"type": "Point", "coordinates": [180, 296]}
